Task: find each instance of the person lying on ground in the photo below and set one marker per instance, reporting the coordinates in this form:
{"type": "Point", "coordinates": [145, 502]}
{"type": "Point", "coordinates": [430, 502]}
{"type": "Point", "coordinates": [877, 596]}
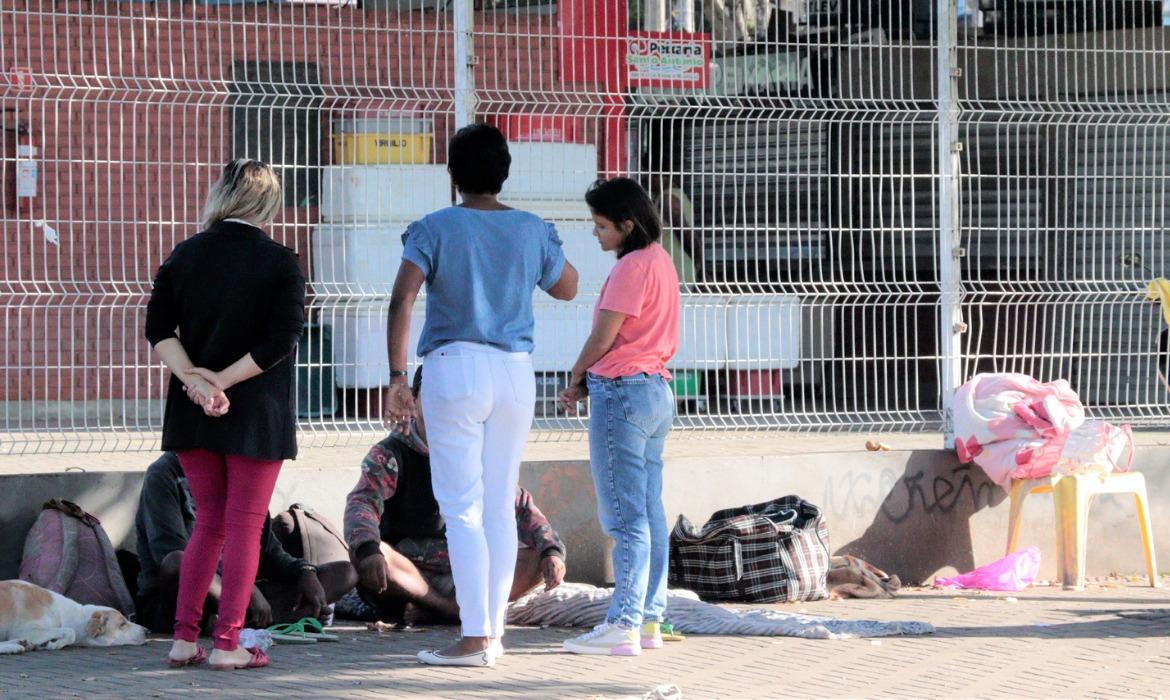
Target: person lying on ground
{"type": "Point", "coordinates": [286, 589]}
{"type": "Point", "coordinates": [397, 538]}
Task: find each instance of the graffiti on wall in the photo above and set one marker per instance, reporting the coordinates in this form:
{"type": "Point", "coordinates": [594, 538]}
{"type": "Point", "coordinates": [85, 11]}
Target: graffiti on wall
{"type": "Point", "coordinates": [934, 490]}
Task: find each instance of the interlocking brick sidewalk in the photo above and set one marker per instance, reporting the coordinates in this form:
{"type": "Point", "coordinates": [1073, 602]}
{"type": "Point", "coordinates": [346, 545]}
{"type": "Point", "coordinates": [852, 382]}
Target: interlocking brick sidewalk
{"type": "Point", "coordinates": [1042, 643]}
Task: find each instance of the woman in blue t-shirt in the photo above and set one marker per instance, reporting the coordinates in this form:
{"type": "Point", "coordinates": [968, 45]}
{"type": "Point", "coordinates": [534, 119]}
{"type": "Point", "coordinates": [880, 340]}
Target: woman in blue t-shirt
{"type": "Point", "coordinates": [481, 261]}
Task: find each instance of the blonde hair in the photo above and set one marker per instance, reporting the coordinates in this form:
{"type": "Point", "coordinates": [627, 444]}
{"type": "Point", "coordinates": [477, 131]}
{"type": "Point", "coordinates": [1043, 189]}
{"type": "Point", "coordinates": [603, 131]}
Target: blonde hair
{"type": "Point", "coordinates": [248, 190]}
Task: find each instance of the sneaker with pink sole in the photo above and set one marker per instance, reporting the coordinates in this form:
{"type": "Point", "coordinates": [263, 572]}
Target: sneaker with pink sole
{"type": "Point", "coordinates": [651, 635]}
{"type": "Point", "coordinates": [606, 640]}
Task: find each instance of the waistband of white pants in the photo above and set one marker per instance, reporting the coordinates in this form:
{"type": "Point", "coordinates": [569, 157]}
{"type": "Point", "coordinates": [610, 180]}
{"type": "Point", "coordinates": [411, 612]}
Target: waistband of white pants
{"type": "Point", "coordinates": [462, 348]}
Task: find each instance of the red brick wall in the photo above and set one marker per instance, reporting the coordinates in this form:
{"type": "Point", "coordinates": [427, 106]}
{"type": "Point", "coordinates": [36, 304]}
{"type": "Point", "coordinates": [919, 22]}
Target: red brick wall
{"type": "Point", "coordinates": [128, 110]}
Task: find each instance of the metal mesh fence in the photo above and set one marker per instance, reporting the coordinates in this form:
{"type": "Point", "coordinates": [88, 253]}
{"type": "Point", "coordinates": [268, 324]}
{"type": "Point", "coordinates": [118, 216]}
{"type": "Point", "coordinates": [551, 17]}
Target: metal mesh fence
{"type": "Point", "coordinates": [867, 201]}
{"type": "Point", "coordinates": [1065, 198]}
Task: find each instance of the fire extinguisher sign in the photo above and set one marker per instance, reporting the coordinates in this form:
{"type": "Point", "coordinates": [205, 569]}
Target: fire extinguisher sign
{"type": "Point", "coordinates": [26, 179]}
{"type": "Point", "coordinates": [668, 59]}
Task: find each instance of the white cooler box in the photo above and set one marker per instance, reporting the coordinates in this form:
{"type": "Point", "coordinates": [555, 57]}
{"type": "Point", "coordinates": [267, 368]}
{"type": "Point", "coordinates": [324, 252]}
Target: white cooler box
{"type": "Point", "coordinates": [555, 172]}
{"type": "Point", "coordinates": [561, 330]}
{"type": "Point", "coordinates": [763, 332]}
{"type": "Point", "coordinates": [352, 259]}
{"type": "Point", "coordinates": [376, 193]}
{"type": "Point", "coordinates": [359, 341]}
{"type": "Point", "coordinates": [702, 331]}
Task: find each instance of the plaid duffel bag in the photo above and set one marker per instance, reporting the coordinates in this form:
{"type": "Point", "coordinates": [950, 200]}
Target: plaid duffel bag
{"type": "Point", "coordinates": [765, 553]}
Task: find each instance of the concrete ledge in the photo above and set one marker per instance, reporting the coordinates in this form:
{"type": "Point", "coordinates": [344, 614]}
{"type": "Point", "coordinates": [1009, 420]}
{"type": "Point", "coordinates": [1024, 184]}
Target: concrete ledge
{"type": "Point", "coordinates": [914, 512]}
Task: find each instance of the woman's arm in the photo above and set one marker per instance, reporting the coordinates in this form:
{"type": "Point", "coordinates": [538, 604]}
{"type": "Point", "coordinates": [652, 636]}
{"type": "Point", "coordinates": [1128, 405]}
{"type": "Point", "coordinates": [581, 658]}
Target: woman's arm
{"type": "Point", "coordinates": [598, 343]}
{"type": "Point", "coordinates": [241, 370]}
{"type": "Point", "coordinates": [174, 355]}
{"type": "Point", "coordinates": [285, 324]}
{"type": "Point", "coordinates": [200, 389]}
{"type": "Point", "coordinates": [399, 405]}
{"type": "Point", "coordinates": [162, 322]}
{"type": "Point", "coordinates": [566, 287]}
{"type": "Point", "coordinates": [558, 278]}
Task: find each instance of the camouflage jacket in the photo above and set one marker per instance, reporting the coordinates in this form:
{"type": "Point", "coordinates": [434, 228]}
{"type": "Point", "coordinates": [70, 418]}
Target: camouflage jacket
{"type": "Point", "coordinates": [374, 494]}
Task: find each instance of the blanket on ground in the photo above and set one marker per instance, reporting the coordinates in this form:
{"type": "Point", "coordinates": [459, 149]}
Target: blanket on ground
{"type": "Point", "coordinates": [582, 605]}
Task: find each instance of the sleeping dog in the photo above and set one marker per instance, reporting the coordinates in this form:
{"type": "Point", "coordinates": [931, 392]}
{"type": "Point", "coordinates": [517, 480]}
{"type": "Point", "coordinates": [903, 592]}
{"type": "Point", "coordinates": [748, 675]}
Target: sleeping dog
{"type": "Point", "coordinates": [32, 617]}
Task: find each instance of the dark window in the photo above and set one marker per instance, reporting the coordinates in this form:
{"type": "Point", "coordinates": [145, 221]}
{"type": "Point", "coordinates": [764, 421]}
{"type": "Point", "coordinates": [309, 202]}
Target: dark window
{"type": "Point", "coordinates": [275, 118]}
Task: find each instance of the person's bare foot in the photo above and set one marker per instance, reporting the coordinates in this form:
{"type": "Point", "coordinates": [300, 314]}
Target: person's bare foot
{"type": "Point", "coordinates": [236, 657]}
{"type": "Point", "coordinates": [412, 615]}
{"type": "Point", "coordinates": [450, 611]}
{"type": "Point", "coordinates": [416, 615]}
{"type": "Point", "coordinates": [181, 650]}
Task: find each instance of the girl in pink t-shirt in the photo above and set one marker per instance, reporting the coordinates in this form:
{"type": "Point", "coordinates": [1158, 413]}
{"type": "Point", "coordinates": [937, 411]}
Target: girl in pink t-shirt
{"type": "Point", "coordinates": [622, 368]}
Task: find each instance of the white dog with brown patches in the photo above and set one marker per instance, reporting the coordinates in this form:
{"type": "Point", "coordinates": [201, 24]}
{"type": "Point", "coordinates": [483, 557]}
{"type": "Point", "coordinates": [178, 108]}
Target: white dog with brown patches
{"type": "Point", "coordinates": [32, 617]}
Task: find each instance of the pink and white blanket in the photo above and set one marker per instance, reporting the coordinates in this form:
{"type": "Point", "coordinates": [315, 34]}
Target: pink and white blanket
{"type": "Point", "coordinates": [1015, 427]}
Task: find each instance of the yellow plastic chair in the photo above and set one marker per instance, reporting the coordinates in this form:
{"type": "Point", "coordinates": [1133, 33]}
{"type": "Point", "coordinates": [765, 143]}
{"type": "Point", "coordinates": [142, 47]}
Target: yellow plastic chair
{"type": "Point", "coordinates": [1071, 498]}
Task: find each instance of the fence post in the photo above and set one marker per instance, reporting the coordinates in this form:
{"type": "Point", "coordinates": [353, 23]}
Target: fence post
{"type": "Point", "coordinates": [465, 61]}
{"type": "Point", "coordinates": [949, 252]}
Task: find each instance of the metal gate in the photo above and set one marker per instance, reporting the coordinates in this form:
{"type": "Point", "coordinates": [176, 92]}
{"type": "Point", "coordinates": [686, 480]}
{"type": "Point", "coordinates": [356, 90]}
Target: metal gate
{"type": "Point", "coordinates": [868, 201]}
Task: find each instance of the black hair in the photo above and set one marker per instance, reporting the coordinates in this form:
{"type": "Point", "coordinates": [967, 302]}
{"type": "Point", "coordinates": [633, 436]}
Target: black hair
{"type": "Point", "coordinates": [478, 159]}
{"type": "Point", "coordinates": [416, 383]}
{"type": "Point", "coordinates": [622, 199]}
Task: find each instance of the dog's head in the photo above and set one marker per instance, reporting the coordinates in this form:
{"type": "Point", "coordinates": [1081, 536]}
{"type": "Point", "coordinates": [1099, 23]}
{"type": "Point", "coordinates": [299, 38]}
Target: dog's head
{"type": "Point", "coordinates": [107, 627]}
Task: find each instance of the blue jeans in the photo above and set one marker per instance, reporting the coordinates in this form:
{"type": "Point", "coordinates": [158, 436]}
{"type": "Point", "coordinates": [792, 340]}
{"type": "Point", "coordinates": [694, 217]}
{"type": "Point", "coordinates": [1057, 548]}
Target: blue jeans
{"type": "Point", "coordinates": [628, 422]}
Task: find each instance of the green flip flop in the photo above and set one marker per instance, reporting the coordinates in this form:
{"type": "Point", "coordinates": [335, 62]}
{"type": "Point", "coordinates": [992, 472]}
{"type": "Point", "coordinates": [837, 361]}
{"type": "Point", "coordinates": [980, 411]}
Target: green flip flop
{"type": "Point", "coordinates": [307, 630]}
{"type": "Point", "coordinates": [669, 634]}
{"type": "Point", "coordinates": [290, 634]}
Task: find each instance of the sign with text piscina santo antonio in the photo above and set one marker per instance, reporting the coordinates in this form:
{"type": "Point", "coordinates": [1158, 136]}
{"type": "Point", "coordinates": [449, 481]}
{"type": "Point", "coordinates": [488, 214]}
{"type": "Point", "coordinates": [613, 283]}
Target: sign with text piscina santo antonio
{"type": "Point", "coordinates": [668, 59]}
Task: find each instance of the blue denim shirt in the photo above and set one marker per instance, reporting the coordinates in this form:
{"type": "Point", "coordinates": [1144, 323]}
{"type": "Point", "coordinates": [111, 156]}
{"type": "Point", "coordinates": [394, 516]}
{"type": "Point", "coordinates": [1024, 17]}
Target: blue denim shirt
{"type": "Point", "coordinates": [481, 268]}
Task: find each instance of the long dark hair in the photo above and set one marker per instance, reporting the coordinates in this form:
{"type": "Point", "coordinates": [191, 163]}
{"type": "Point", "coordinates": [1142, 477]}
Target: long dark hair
{"type": "Point", "coordinates": [622, 199]}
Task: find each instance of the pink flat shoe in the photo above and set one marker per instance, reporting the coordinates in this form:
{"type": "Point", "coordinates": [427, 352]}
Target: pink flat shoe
{"type": "Point", "coordinates": [200, 656]}
{"type": "Point", "coordinates": [259, 660]}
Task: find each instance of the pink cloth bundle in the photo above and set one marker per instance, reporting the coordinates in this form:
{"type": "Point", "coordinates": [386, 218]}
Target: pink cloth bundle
{"type": "Point", "coordinates": [1015, 427]}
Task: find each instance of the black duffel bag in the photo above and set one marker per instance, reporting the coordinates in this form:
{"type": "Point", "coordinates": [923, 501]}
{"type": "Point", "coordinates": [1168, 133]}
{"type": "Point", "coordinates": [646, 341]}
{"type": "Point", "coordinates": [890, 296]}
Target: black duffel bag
{"type": "Point", "coordinates": [764, 553]}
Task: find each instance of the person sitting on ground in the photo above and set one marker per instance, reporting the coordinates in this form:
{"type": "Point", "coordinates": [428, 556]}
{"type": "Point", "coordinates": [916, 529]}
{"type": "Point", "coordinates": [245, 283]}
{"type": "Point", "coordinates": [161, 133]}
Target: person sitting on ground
{"type": "Point", "coordinates": [397, 538]}
{"type": "Point", "coordinates": [286, 589]}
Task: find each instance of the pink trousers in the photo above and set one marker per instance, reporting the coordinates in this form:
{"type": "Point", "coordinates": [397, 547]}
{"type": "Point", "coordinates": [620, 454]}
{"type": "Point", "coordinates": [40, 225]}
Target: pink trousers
{"type": "Point", "coordinates": [231, 502]}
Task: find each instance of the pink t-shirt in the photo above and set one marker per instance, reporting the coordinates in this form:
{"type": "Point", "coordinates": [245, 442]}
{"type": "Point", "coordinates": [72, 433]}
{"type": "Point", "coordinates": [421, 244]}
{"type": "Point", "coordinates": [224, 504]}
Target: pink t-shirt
{"type": "Point", "coordinates": [644, 286]}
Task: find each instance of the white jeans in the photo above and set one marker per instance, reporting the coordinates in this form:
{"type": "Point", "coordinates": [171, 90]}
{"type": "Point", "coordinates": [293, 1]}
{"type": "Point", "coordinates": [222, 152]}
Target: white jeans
{"type": "Point", "coordinates": [478, 403]}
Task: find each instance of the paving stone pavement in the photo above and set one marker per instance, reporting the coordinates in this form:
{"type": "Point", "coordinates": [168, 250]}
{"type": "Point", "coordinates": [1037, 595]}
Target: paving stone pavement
{"type": "Point", "coordinates": [1045, 642]}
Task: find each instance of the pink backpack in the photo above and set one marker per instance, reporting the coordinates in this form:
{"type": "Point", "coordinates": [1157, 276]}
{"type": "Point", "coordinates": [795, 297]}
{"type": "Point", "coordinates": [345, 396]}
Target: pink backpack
{"type": "Point", "coordinates": [68, 552]}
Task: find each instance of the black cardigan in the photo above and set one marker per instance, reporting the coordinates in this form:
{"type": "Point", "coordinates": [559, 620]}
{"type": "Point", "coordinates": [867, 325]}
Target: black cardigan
{"type": "Point", "coordinates": [229, 291]}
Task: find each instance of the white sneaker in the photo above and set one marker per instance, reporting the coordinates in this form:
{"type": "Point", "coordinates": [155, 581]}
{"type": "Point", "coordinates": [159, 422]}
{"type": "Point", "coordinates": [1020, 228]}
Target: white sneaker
{"type": "Point", "coordinates": [479, 658]}
{"type": "Point", "coordinates": [606, 640]}
{"type": "Point", "coordinates": [497, 647]}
